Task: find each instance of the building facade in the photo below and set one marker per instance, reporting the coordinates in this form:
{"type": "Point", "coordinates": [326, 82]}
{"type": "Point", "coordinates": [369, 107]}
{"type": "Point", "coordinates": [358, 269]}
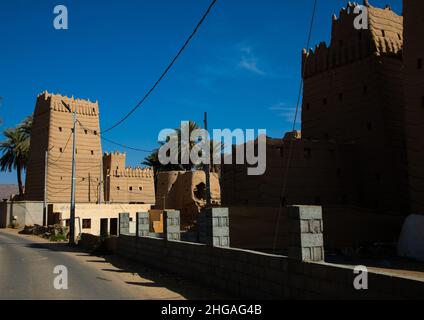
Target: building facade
{"type": "Point", "coordinates": [413, 56]}
{"type": "Point", "coordinates": [353, 93]}
{"type": "Point", "coordinates": [124, 184]}
{"type": "Point", "coordinates": [361, 135]}
{"type": "Point", "coordinates": [52, 133]}
{"type": "Point", "coordinates": [98, 178]}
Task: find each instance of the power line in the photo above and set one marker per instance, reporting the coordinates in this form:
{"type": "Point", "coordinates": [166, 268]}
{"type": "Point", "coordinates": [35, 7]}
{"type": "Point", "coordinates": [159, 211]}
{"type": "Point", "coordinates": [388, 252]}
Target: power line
{"type": "Point", "coordinates": [186, 43]}
{"type": "Point", "coordinates": [63, 151]}
{"type": "Point", "coordinates": [114, 142]}
{"type": "Point", "coordinates": [284, 177]}
{"type": "Point", "coordinates": [125, 146]}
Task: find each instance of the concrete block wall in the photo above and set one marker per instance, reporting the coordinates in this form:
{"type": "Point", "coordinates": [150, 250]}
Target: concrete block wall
{"type": "Point", "coordinates": [214, 227]}
{"type": "Point", "coordinates": [124, 223]}
{"type": "Point", "coordinates": [171, 225]}
{"type": "Point", "coordinates": [254, 275]}
{"type": "Point", "coordinates": [306, 239]}
{"type": "Point", "coordinates": [142, 224]}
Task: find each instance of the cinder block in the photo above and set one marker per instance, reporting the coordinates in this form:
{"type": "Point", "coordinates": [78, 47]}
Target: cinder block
{"type": "Point", "coordinates": [124, 223]}
{"type": "Point", "coordinates": [142, 224]}
{"type": "Point", "coordinates": [171, 225]}
{"type": "Point", "coordinates": [306, 241]}
{"type": "Point", "coordinates": [305, 212]}
{"type": "Point", "coordinates": [214, 227]}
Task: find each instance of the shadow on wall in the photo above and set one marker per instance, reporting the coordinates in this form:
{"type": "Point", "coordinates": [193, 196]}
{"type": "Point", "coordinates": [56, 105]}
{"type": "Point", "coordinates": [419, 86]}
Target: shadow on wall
{"type": "Point", "coordinates": [254, 228]}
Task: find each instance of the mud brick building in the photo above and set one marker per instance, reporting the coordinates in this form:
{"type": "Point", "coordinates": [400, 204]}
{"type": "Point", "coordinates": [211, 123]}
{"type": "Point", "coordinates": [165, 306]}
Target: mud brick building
{"type": "Point", "coordinates": [360, 152]}
{"type": "Point", "coordinates": [97, 179]}
{"type": "Point", "coordinates": [186, 191]}
{"type": "Point", "coordinates": [124, 184]}
{"type": "Point", "coordinates": [353, 93]}
{"type": "Point", "coordinates": [413, 56]}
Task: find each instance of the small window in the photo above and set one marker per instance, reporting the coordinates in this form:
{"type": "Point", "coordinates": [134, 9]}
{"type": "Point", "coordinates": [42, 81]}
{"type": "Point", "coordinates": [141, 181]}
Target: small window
{"type": "Point", "coordinates": [140, 188]}
{"type": "Point", "coordinates": [61, 178]}
{"type": "Point", "coordinates": [118, 188]}
{"type": "Point", "coordinates": [86, 131]}
{"type": "Point", "coordinates": [94, 109]}
{"type": "Point", "coordinates": [76, 151]}
{"type": "Point", "coordinates": [60, 129]}
{"type": "Point", "coordinates": [420, 64]}
{"type": "Point", "coordinates": [130, 188]}
{"type": "Point", "coordinates": [60, 150]}
{"type": "Point", "coordinates": [308, 153]}
{"type": "Point", "coordinates": [95, 133]}
{"type": "Point", "coordinates": [72, 130]}
{"type": "Point", "coordinates": [86, 223]}
{"type": "Point", "coordinates": [399, 36]}
{"type": "Point", "coordinates": [92, 152]}
{"type": "Point", "coordinates": [82, 179]}
{"type": "Point", "coordinates": [383, 32]}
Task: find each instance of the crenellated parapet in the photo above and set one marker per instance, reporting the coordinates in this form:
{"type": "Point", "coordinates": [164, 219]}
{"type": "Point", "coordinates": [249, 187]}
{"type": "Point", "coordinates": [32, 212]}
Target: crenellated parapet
{"type": "Point", "coordinates": [50, 101]}
{"type": "Point", "coordinates": [348, 44]}
{"type": "Point", "coordinates": [129, 172]}
{"type": "Point", "coordinates": [114, 163]}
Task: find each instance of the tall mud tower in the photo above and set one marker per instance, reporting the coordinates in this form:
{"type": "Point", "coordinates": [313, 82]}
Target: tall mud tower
{"type": "Point", "coordinates": [414, 99]}
{"type": "Point", "coordinates": [52, 131]}
{"type": "Point", "coordinates": [353, 94]}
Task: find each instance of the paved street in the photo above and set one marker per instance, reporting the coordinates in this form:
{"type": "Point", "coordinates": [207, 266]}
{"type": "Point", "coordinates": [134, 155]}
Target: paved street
{"type": "Point", "coordinates": [27, 264]}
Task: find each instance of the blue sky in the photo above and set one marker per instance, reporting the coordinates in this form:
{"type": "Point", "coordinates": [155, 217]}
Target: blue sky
{"type": "Point", "coordinates": [242, 67]}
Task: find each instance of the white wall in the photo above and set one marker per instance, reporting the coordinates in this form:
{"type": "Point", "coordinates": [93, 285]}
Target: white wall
{"type": "Point", "coordinates": [96, 212]}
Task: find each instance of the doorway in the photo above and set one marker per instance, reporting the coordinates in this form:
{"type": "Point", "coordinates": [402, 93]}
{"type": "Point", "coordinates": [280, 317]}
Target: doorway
{"type": "Point", "coordinates": [103, 227]}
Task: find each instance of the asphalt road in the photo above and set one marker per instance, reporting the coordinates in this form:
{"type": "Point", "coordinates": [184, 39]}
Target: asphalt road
{"type": "Point", "coordinates": [26, 272]}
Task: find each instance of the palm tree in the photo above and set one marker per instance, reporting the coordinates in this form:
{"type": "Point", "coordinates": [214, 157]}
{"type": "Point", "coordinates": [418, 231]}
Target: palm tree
{"type": "Point", "coordinates": [15, 150]}
{"type": "Point", "coordinates": [26, 126]}
{"type": "Point", "coordinates": [153, 159]}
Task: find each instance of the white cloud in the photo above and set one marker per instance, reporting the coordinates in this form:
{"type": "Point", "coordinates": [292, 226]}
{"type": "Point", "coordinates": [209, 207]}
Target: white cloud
{"type": "Point", "coordinates": [251, 64]}
{"type": "Point", "coordinates": [285, 111]}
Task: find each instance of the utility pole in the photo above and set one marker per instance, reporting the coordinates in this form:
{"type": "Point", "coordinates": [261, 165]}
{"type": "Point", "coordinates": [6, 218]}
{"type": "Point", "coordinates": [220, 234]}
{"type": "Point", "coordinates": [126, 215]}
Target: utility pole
{"type": "Point", "coordinates": [72, 213]}
{"type": "Point", "coordinates": [46, 167]}
{"type": "Point", "coordinates": [207, 168]}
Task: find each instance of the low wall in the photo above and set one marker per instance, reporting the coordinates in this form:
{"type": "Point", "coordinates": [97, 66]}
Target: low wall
{"type": "Point", "coordinates": [254, 275]}
{"type": "Point", "coordinates": [254, 228]}
{"type": "Point", "coordinates": [26, 213]}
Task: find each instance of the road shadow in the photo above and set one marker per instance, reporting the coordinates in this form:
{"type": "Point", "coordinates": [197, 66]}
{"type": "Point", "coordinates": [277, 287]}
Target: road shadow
{"type": "Point", "coordinates": [156, 278]}
{"type": "Point", "coordinates": [151, 276]}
